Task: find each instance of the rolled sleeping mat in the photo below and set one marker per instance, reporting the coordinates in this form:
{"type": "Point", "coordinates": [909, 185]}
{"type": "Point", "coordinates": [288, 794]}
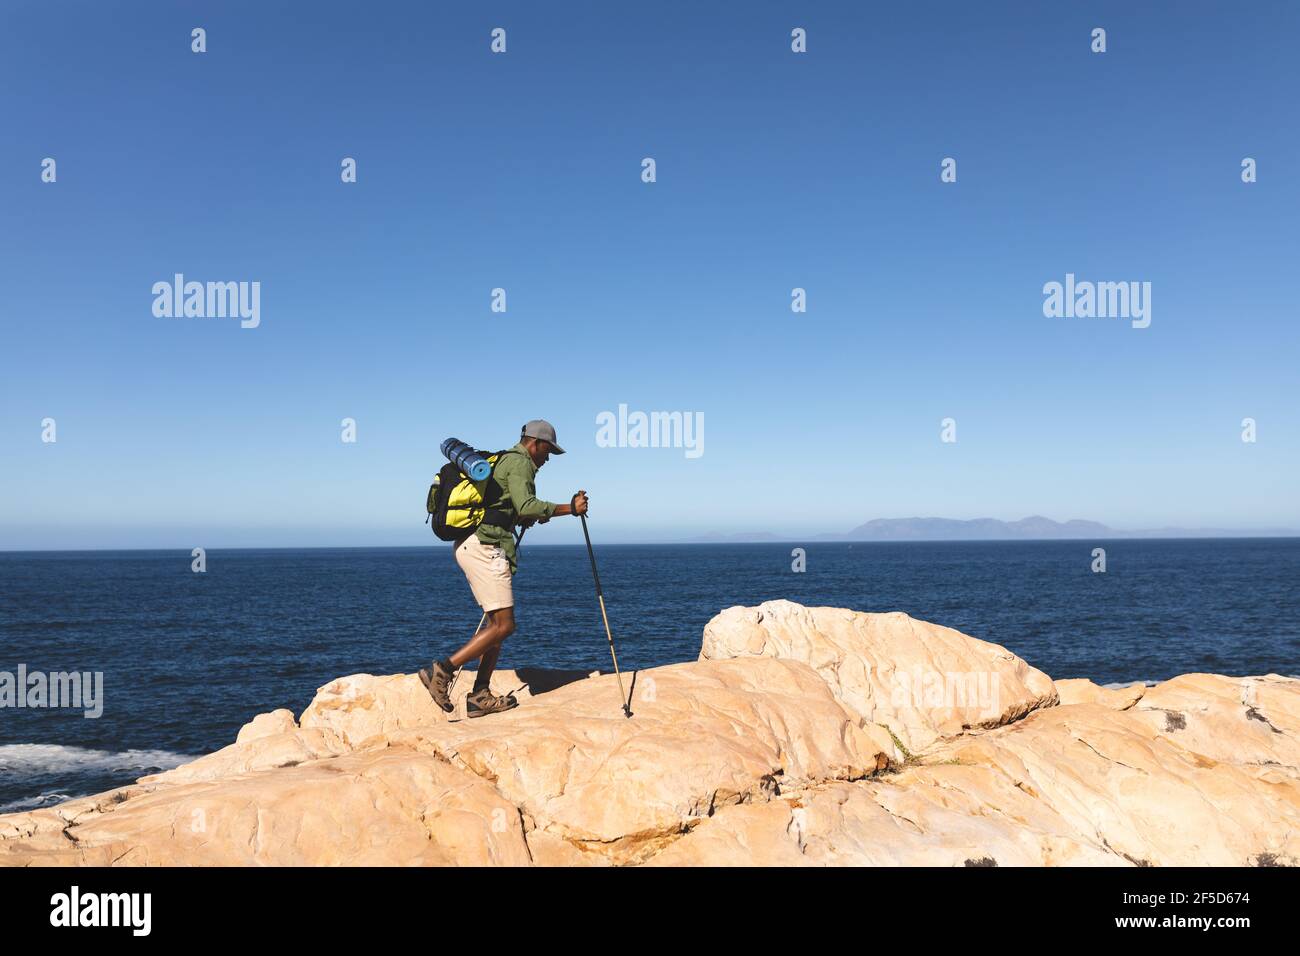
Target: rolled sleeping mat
{"type": "Point", "coordinates": [467, 459]}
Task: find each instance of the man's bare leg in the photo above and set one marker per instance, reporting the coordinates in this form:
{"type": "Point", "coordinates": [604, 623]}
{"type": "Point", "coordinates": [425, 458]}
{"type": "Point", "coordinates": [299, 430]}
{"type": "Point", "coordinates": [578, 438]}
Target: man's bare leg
{"type": "Point", "coordinates": [486, 665]}
{"type": "Point", "coordinates": [485, 645]}
{"type": "Point", "coordinates": [501, 624]}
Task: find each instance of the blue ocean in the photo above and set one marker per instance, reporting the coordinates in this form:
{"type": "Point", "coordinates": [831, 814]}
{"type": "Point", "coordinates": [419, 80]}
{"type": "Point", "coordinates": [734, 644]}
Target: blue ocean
{"type": "Point", "coordinates": [188, 658]}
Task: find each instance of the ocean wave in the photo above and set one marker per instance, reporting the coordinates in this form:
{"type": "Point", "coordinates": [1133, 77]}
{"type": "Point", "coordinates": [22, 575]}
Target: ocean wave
{"type": "Point", "coordinates": [36, 759]}
{"type": "Point", "coordinates": [47, 799]}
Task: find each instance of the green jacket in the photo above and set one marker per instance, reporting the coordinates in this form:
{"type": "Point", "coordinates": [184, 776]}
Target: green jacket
{"type": "Point", "coordinates": [515, 474]}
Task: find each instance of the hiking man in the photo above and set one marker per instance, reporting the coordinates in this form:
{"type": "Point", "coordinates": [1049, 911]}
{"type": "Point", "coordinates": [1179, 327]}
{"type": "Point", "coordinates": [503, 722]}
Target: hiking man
{"type": "Point", "coordinates": [488, 556]}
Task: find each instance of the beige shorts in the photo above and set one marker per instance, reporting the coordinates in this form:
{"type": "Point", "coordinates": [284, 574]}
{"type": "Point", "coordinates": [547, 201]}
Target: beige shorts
{"type": "Point", "coordinates": [488, 571]}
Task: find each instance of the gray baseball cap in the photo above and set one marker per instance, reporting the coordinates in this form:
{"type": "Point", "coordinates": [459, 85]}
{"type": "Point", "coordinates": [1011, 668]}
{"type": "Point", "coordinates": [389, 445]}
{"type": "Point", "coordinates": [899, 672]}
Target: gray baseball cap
{"type": "Point", "coordinates": [541, 428]}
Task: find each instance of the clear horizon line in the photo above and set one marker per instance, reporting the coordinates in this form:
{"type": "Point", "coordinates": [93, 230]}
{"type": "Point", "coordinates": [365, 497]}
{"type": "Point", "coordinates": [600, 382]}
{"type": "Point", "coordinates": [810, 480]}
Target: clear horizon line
{"type": "Point", "coordinates": [1292, 535]}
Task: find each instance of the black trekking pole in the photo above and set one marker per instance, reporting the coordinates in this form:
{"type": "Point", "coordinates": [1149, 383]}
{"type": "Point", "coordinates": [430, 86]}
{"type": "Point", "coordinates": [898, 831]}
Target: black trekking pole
{"type": "Point", "coordinates": [600, 596]}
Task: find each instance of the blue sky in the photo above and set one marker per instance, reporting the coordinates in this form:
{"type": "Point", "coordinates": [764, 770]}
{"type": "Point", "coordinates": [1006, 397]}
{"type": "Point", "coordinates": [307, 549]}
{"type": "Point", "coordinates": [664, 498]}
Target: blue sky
{"type": "Point", "coordinates": [522, 171]}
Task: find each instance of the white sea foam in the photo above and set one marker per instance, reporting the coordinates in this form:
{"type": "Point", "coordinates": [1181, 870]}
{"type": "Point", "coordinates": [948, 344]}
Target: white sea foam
{"type": "Point", "coordinates": [28, 759]}
{"type": "Point", "coordinates": [47, 799]}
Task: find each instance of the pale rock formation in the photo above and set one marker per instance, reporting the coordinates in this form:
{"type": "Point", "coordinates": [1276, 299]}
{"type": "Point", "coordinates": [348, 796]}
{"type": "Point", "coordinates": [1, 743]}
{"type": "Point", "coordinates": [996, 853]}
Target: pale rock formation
{"type": "Point", "coordinates": [1247, 720]}
{"type": "Point", "coordinates": [773, 749]}
{"type": "Point", "coordinates": [580, 781]}
{"type": "Point", "coordinates": [362, 707]}
{"type": "Point", "coordinates": [703, 735]}
{"type": "Point", "coordinates": [1077, 784]}
{"type": "Point", "coordinates": [916, 819]}
{"type": "Point", "coordinates": [1128, 779]}
{"type": "Point", "coordinates": [1081, 691]}
{"type": "Point", "coordinates": [387, 807]}
{"type": "Point", "coordinates": [349, 713]}
{"type": "Point", "coordinates": [920, 680]}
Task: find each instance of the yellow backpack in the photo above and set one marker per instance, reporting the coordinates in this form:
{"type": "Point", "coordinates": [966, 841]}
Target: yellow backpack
{"type": "Point", "coordinates": [457, 504]}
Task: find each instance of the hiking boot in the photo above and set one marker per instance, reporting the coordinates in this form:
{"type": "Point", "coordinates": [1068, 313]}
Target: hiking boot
{"type": "Point", "coordinates": [484, 702]}
{"type": "Point", "coordinates": [437, 681]}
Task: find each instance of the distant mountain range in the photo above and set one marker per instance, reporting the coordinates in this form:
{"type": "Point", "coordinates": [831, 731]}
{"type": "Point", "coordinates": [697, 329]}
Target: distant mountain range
{"type": "Point", "coordinates": [1035, 527]}
{"type": "Point", "coordinates": [976, 529]}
